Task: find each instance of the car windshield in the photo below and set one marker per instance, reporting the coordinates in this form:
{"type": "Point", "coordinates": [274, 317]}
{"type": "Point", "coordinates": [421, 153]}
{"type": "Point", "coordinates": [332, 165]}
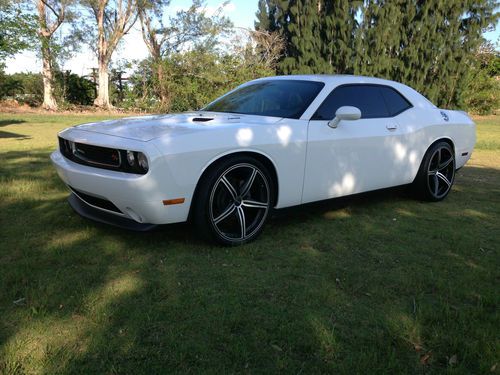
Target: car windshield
{"type": "Point", "coordinates": [278, 98]}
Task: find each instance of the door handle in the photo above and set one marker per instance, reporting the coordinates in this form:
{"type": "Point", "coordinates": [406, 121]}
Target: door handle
{"type": "Point", "coordinates": [391, 126]}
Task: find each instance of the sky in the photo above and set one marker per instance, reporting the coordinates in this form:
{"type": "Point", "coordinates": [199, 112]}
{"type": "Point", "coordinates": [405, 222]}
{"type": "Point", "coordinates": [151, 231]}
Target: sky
{"type": "Point", "coordinates": [241, 13]}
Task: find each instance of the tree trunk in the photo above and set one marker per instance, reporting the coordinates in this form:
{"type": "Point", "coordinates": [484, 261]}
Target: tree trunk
{"type": "Point", "coordinates": [102, 99]}
{"type": "Point", "coordinates": [45, 33]}
{"type": "Point", "coordinates": [162, 90]}
{"type": "Point", "coordinates": [49, 102]}
{"type": "Point", "coordinates": [103, 59]}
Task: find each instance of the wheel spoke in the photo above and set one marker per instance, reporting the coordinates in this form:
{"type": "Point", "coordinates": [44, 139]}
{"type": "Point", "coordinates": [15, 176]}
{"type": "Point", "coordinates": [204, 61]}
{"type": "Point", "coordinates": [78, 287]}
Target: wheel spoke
{"type": "Point", "coordinates": [436, 185]}
{"type": "Point", "coordinates": [432, 173]}
{"type": "Point", "coordinates": [229, 187]}
{"type": "Point", "coordinates": [248, 185]}
{"type": "Point", "coordinates": [254, 204]}
{"type": "Point", "coordinates": [443, 178]}
{"type": "Point", "coordinates": [241, 219]}
{"type": "Point", "coordinates": [446, 163]}
{"type": "Point", "coordinates": [225, 214]}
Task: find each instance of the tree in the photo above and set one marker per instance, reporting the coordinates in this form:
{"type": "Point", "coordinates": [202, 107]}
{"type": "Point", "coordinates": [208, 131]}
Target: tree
{"type": "Point", "coordinates": [318, 34]}
{"type": "Point", "coordinates": [113, 19]}
{"type": "Point", "coordinates": [269, 47]}
{"type": "Point", "coordinates": [425, 44]}
{"type": "Point", "coordinates": [481, 94]}
{"type": "Point", "coordinates": [51, 14]}
{"type": "Point", "coordinates": [191, 26]}
{"type": "Point", "coordinates": [266, 16]}
{"type": "Point", "coordinates": [17, 28]}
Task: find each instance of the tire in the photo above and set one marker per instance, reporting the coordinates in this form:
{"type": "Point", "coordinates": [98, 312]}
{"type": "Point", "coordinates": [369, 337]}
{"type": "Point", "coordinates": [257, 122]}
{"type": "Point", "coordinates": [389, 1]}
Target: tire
{"type": "Point", "coordinates": [436, 174]}
{"type": "Point", "coordinates": [233, 201]}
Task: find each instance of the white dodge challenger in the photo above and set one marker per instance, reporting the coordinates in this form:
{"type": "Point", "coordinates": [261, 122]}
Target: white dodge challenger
{"type": "Point", "coordinates": [270, 143]}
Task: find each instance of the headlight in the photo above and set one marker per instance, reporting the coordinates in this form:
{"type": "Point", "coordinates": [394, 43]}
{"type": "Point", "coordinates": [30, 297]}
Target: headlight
{"type": "Point", "coordinates": [143, 161]}
{"type": "Point", "coordinates": [130, 158]}
{"type": "Point", "coordinates": [137, 162]}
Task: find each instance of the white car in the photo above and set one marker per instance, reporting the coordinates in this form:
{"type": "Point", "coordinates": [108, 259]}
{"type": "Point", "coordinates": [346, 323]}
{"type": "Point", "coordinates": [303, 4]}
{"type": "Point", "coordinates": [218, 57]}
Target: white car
{"type": "Point", "coordinates": [270, 143]}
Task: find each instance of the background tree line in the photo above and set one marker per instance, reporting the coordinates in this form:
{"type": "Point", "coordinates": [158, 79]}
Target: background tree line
{"type": "Point", "coordinates": [434, 46]}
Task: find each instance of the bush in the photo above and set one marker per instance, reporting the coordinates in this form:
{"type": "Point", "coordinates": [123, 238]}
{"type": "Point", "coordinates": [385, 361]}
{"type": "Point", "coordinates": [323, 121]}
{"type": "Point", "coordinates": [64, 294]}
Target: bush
{"type": "Point", "coordinates": [482, 94]}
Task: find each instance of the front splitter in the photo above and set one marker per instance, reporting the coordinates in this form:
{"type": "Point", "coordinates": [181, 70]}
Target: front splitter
{"type": "Point", "coordinates": [95, 214]}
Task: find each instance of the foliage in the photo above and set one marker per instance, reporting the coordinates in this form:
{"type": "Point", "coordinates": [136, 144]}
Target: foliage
{"type": "Point", "coordinates": [188, 30]}
{"type": "Point", "coordinates": [28, 88]}
{"type": "Point", "coordinates": [482, 93]}
{"type": "Point", "coordinates": [17, 28]}
{"type": "Point", "coordinates": [427, 45]}
{"type": "Point", "coordinates": [24, 87]}
{"type": "Point", "coordinates": [194, 78]}
{"type": "Point", "coordinates": [73, 89]}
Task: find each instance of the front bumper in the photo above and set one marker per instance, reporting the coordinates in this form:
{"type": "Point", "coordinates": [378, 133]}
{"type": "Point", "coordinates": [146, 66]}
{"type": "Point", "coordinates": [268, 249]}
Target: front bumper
{"type": "Point", "coordinates": [87, 211]}
{"type": "Point", "coordinates": [139, 198]}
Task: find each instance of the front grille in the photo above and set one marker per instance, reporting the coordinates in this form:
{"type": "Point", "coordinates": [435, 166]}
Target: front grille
{"type": "Point", "coordinates": [100, 156]}
{"type": "Point", "coordinates": [81, 153]}
{"type": "Point", "coordinates": [97, 156]}
{"type": "Point", "coordinates": [95, 201]}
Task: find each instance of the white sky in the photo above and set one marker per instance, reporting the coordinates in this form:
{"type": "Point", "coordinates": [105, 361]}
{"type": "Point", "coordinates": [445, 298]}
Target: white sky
{"type": "Point", "coordinates": [241, 13]}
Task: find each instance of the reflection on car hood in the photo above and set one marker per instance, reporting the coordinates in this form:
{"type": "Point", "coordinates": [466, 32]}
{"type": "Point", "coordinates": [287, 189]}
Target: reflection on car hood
{"type": "Point", "coordinates": [145, 128]}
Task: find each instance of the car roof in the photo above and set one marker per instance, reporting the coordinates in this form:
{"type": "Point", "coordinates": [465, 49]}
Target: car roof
{"type": "Point", "coordinates": [333, 80]}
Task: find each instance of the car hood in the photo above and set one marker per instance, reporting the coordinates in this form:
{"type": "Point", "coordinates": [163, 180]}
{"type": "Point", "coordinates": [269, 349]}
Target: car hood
{"type": "Point", "coordinates": [146, 128]}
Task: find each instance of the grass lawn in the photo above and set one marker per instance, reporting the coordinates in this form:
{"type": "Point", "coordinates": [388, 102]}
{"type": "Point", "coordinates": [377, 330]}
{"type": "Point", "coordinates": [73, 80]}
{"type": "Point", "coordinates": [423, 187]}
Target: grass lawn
{"type": "Point", "coordinates": [376, 283]}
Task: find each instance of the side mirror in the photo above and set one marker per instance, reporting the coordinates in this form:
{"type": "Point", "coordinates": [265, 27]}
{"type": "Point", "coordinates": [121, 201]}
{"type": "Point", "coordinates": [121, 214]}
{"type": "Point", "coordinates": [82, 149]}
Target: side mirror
{"type": "Point", "coordinates": [345, 113]}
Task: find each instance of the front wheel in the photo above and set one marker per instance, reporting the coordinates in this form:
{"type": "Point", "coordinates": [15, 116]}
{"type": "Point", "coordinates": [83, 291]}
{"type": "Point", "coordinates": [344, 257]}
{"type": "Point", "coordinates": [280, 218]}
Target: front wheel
{"type": "Point", "coordinates": [234, 201]}
{"type": "Point", "coordinates": [437, 172]}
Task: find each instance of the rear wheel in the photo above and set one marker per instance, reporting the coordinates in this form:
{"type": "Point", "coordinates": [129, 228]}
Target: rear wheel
{"type": "Point", "coordinates": [437, 172]}
{"type": "Point", "coordinates": [234, 201]}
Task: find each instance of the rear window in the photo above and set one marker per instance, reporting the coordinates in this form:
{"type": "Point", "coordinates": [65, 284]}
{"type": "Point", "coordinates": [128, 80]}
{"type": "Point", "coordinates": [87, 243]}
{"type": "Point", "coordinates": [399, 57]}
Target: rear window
{"type": "Point", "coordinates": [374, 101]}
{"type": "Point", "coordinates": [395, 102]}
{"type": "Point", "coordinates": [278, 98]}
{"type": "Point", "coordinates": [366, 98]}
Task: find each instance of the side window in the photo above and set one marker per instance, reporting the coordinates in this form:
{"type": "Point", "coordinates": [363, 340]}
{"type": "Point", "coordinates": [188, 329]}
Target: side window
{"type": "Point", "coordinates": [396, 103]}
{"type": "Point", "coordinates": [367, 98]}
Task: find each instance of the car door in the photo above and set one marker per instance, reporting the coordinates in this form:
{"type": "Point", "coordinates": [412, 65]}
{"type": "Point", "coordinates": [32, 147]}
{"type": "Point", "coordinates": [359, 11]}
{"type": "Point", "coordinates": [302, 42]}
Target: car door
{"type": "Point", "coordinates": [359, 155]}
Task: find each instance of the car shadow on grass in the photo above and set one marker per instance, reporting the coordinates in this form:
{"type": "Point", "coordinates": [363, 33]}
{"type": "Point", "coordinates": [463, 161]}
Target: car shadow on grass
{"type": "Point", "coordinates": [5, 134]}
{"type": "Point", "coordinates": [373, 283]}
{"type": "Point", "coordinates": [8, 122]}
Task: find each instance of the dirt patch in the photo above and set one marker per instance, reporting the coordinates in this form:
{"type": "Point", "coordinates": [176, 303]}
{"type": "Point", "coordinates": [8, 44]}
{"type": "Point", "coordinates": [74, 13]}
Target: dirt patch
{"type": "Point", "coordinates": [13, 106]}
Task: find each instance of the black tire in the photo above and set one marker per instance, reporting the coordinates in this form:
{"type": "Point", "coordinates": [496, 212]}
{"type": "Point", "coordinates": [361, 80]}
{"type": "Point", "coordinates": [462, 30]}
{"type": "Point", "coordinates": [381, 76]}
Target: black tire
{"type": "Point", "coordinates": [436, 174]}
{"type": "Point", "coordinates": [233, 214]}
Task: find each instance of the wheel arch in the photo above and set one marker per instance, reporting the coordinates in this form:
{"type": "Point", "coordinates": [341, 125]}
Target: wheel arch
{"type": "Point", "coordinates": [440, 139]}
{"type": "Point", "coordinates": [260, 156]}
{"type": "Point", "coordinates": [443, 139]}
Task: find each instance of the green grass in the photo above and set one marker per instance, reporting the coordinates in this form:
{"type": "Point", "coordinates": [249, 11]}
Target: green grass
{"type": "Point", "coordinates": [378, 283]}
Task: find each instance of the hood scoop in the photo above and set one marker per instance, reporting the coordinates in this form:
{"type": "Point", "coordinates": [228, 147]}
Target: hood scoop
{"type": "Point", "coordinates": [202, 119]}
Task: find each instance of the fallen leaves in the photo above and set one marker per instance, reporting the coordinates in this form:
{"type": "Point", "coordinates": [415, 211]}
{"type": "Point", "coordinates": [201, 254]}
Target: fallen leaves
{"type": "Point", "coordinates": [425, 358]}
{"type": "Point", "coordinates": [453, 360]}
{"type": "Point", "coordinates": [276, 347]}
{"type": "Point", "coordinates": [20, 301]}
